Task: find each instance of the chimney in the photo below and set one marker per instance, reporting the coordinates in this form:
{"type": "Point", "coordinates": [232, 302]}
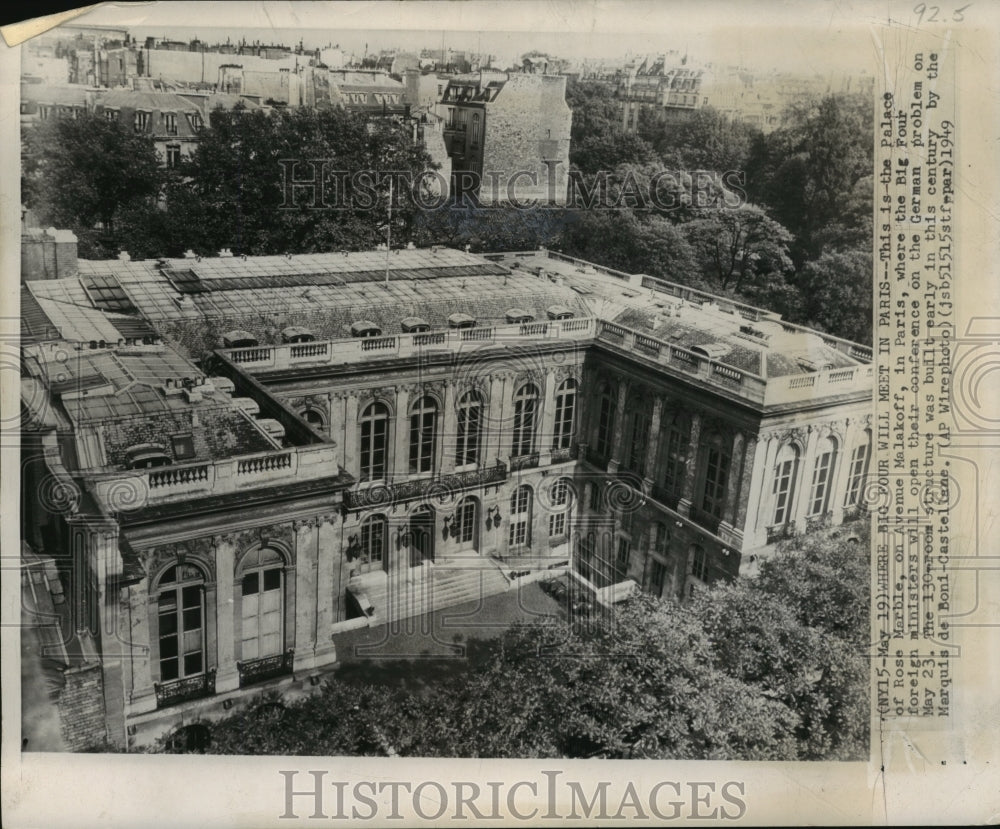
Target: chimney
{"type": "Point", "coordinates": [123, 256]}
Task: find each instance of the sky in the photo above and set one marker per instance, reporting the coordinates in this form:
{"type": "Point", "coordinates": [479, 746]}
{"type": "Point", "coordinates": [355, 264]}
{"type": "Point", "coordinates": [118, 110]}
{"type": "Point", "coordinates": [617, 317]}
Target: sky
{"type": "Point", "coordinates": [803, 38]}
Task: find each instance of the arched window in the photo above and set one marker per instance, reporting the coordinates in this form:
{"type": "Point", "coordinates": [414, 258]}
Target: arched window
{"type": "Point", "coordinates": [469, 429]}
{"type": "Point", "coordinates": [565, 414]}
{"type": "Point", "coordinates": [785, 474]}
{"type": "Point", "coordinates": [606, 421]}
{"type": "Point", "coordinates": [374, 437]}
{"type": "Point", "coordinates": [676, 442]}
{"type": "Point", "coordinates": [525, 410]}
{"type": "Point", "coordinates": [372, 542]}
{"type": "Point", "coordinates": [819, 494]}
{"type": "Point", "coordinates": [262, 585]}
{"type": "Point", "coordinates": [314, 418]}
{"type": "Point", "coordinates": [717, 460]}
{"type": "Point", "coordinates": [423, 435]}
{"type": "Point", "coordinates": [860, 459]}
{"type": "Point", "coordinates": [466, 523]}
{"type": "Point", "coordinates": [561, 497]}
{"type": "Point", "coordinates": [180, 600]}
{"type": "Point", "coordinates": [520, 517]}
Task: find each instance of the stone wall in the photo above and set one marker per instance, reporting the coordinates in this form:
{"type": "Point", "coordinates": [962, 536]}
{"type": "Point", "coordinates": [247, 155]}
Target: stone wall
{"type": "Point", "coordinates": [81, 708]}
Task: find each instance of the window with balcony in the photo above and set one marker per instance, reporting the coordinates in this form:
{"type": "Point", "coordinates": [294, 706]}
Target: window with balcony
{"type": "Point", "coordinates": [565, 414]}
{"type": "Point", "coordinates": [784, 483]}
{"type": "Point", "coordinates": [423, 435]}
{"type": "Point", "coordinates": [262, 582]}
{"type": "Point", "coordinates": [180, 602]}
{"type": "Point", "coordinates": [819, 494]}
{"type": "Point", "coordinates": [525, 411]}
{"type": "Point", "coordinates": [468, 429]}
{"type": "Point", "coordinates": [520, 517]}
{"type": "Point", "coordinates": [858, 471]}
{"type": "Point", "coordinates": [374, 435]}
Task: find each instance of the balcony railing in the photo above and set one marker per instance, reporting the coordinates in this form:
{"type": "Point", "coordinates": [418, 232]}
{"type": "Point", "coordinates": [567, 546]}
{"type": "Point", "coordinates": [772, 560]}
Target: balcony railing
{"type": "Point", "coordinates": [779, 532]}
{"type": "Point", "coordinates": [386, 494]}
{"type": "Point", "coordinates": [361, 349]}
{"type": "Point", "coordinates": [524, 462]}
{"type": "Point", "coordinates": [565, 453]}
{"type": "Point", "coordinates": [706, 520]}
{"type": "Point", "coordinates": [265, 668]}
{"type": "Point", "coordinates": [183, 690]}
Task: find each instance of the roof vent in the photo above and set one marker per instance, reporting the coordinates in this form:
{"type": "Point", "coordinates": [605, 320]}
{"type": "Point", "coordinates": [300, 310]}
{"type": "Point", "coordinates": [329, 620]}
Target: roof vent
{"type": "Point", "coordinates": [559, 312]}
{"type": "Point", "coordinates": [238, 338]}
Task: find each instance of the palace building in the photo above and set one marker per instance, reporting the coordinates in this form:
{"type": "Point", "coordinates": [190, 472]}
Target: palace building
{"type": "Point", "coordinates": [228, 461]}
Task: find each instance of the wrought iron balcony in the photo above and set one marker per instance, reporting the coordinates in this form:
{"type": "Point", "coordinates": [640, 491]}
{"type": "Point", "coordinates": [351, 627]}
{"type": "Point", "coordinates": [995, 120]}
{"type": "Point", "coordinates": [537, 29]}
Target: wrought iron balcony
{"type": "Point", "coordinates": [183, 690]}
{"type": "Point", "coordinates": [566, 453]}
{"type": "Point", "coordinates": [524, 462]}
{"type": "Point", "coordinates": [265, 668]}
{"type": "Point", "coordinates": [779, 532]}
{"type": "Point", "coordinates": [387, 494]}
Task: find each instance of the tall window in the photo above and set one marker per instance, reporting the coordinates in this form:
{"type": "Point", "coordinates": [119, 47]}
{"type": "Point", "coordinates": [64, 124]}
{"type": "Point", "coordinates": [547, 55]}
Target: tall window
{"type": "Point", "coordinates": [661, 537]}
{"type": "Point", "coordinates": [565, 413]}
{"type": "Point", "coordinates": [520, 517]}
{"type": "Point", "coordinates": [606, 421]}
{"type": "Point", "coordinates": [476, 125]}
{"type": "Point", "coordinates": [525, 410]}
{"type": "Point", "coordinates": [373, 537]}
{"type": "Point", "coordinates": [561, 497]}
{"type": "Point", "coordinates": [717, 460]}
{"type": "Point", "coordinates": [141, 121]}
{"type": "Point", "coordinates": [638, 441]}
{"type": "Point", "coordinates": [656, 577]}
{"type": "Point", "coordinates": [859, 470]}
{"type": "Point", "coordinates": [181, 622]}
{"type": "Point", "coordinates": [421, 536]}
{"type": "Point", "coordinates": [466, 521]}
{"type": "Point", "coordinates": [819, 494]}
{"type": "Point", "coordinates": [261, 613]}
{"type": "Point", "coordinates": [423, 418]}
{"type": "Point", "coordinates": [469, 429]}
{"type": "Point", "coordinates": [699, 563]}
{"type": "Point", "coordinates": [675, 455]}
{"type": "Point", "coordinates": [374, 437]}
{"type": "Point", "coordinates": [173, 155]}
{"type": "Point", "coordinates": [624, 554]}
{"type": "Point", "coordinates": [784, 483]}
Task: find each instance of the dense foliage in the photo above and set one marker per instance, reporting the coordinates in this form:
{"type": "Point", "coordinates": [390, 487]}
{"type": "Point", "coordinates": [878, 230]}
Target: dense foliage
{"type": "Point", "coordinates": [782, 219]}
{"type": "Point", "coordinates": [766, 668]}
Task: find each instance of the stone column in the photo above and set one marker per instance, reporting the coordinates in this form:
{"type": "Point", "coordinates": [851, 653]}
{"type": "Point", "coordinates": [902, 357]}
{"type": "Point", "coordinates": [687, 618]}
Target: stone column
{"type": "Point", "coordinates": [842, 460]}
{"type": "Point", "coordinates": [399, 460]}
{"type": "Point", "coordinates": [654, 444]}
{"type": "Point", "coordinates": [691, 466]}
{"type": "Point", "coordinates": [494, 434]}
{"type": "Point", "coordinates": [306, 596]}
{"type": "Point", "coordinates": [749, 488]}
{"type": "Point", "coordinates": [227, 677]}
{"type": "Point", "coordinates": [615, 460]}
{"type": "Point", "coordinates": [448, 426]}
{"type": "Point", "coordinates": [760, 498]}
{"type": "Point", "coordinates": [547, 420]}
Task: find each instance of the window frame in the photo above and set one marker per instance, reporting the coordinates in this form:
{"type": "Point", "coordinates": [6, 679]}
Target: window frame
{"type": "Point", "coordinates": [423, 436]}
{"type": "Point", "coordinates": [525, 421]}
{"type": "Point", "coordinates": [374, 427]}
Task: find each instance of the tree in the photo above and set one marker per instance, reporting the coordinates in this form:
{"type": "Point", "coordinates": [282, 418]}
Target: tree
{"type": "Point", "coordinates": [88, 171]}
{"type": "Point", "coordinates": [739, 248]}
{"type": "Point", "coordinates": [836, 292]}
{"type": "Point", "coordinates": [238, 186]}
{"type": "Point", "coordinates": [703, 140]}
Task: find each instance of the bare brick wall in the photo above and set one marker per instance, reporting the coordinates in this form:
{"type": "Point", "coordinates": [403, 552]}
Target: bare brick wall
{"type": "Point", "coordinates": [81, 708]}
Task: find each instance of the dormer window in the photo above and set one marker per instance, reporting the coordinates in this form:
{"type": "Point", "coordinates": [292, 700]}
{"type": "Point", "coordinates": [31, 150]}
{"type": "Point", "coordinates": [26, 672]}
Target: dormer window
{"type": "Point", "coordinates": [365, 328]}
{"type": "Point", "coordinates": [239, 339]}
{"type": "Point", "coordinates": [518, 315]}
{"type": "Point", "coordinates": [183, 446]}
{"type": "Point", "coordinates": [170, 122]}
{"type": "Point", "coordinates": [111, 114]}
{"type": "Point", "coordinates": [461, 321]}
{"type": "Point", "coordinates": [559, 312]}
{"type": "Point", "coordinates": [147, 456]}
{"type": "Point", "coordinates": [297, 334]}
{"type": "Point", "coordinates": [141, 121]}
{"type": "Point", "coordinates": [414, 325]}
